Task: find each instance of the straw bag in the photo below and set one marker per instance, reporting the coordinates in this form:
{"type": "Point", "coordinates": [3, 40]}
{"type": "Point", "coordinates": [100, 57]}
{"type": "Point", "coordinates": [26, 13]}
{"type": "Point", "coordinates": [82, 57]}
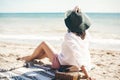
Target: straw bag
{"type": "Point", "coordinates": [67, 72]}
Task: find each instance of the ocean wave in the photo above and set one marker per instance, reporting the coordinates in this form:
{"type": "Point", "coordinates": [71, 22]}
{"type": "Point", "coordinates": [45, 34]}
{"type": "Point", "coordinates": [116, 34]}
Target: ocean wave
{"type": "Point", "coordinates": [108, 44]}
{"type": "Point", "coordinates": [30, 37]}
{"type": "Point", "coordinates": [106, 41]}
{"type": "Point", "coordinates": [33, 37]}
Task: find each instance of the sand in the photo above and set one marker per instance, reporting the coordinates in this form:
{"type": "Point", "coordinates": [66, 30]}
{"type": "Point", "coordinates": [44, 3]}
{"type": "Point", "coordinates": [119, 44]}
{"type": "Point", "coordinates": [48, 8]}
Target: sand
{"type": "Point", "coordinates": [106, 62]}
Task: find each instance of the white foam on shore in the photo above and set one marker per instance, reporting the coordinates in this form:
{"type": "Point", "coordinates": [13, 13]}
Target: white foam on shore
{"type": "Point", "coordinates": [106, 41]}
{"type": "Point", "coordinates": [113, 44]}
{"type": "Point", "coordinates": [30, 37]}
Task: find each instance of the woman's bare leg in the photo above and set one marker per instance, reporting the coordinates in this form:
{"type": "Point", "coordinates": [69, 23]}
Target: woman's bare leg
{"type": "Point", "coordinates": [43, 50]}
{"type": "Point", "coordinates": [31, 57]}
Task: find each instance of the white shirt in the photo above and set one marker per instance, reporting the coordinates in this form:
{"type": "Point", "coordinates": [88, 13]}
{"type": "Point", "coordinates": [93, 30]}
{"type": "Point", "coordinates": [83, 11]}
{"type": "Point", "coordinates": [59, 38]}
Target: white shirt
{"type": "Point", "coordinates": [75, 51]}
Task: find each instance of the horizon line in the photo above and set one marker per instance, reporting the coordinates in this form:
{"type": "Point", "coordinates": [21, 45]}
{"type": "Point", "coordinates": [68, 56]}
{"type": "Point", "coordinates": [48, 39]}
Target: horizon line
{"type": "Point", "coordinates": [56, 12]}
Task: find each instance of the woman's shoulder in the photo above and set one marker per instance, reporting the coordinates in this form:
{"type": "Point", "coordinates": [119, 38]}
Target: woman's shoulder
{"type": "Point", "coordinates": [88, 36]}
{"type": "Point", "coordinates": [71, 38]}
{"type": "Point", "coordinates": [70, 35]}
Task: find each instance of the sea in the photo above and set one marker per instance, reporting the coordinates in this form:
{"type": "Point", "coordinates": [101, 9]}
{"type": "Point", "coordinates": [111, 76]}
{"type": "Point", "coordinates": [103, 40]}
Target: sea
{"type": "Point", "coordinates": [32, 28]}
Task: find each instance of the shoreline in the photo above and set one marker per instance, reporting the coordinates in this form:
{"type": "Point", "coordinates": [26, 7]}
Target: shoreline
{"type": "Point", "coordinates": [95, 43]}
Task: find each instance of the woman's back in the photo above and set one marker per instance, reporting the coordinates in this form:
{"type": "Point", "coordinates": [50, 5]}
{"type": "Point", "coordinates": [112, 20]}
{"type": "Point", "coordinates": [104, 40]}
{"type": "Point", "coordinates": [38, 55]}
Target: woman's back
{"type": "Point", "coordinates": [75, 51]}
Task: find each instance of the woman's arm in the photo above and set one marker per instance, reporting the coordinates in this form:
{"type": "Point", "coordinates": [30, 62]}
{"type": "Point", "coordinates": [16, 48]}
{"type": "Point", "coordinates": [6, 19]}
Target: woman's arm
{"type": "Point", "coordinates": [86, 73]}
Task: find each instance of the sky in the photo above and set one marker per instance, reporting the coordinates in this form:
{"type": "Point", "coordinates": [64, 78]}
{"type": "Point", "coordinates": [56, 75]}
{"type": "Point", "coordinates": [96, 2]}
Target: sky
{"type": "Point", "coordinates": [58, 5]}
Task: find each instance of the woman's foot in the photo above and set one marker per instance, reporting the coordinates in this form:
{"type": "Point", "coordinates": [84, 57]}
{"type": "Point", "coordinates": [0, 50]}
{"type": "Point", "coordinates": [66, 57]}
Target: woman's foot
{"type": "Point", "coordinates": [26, 58]}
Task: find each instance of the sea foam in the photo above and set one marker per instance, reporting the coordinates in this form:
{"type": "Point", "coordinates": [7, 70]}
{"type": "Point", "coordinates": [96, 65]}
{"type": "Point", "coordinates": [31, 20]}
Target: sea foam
{"type": "Point", "coordinates": [111, 44]}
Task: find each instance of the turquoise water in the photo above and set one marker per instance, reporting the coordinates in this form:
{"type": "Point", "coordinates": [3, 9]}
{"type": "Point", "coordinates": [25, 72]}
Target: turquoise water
{"type": "Point", "coordinates": [105, 27]}
{"type": "Point", "coordinates": [37, 23]}
{"type": "Point", "coordinates": [32, 15]}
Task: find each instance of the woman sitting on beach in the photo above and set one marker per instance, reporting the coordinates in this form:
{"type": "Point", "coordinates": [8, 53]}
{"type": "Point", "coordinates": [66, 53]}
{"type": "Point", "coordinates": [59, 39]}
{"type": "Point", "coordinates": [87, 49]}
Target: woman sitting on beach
{"type": "Point", "coordinates": [74, 47]}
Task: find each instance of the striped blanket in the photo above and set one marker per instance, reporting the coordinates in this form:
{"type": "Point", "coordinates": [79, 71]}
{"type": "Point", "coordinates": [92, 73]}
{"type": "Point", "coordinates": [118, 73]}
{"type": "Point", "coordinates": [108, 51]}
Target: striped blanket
{"type": "Point", "coordinates": [28, 72]}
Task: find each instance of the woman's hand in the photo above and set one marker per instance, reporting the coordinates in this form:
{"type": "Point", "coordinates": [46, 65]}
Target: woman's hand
{"type": "Point", "coordinates": [86, 74]}
{"type": "Point", "coordinates": [76, 9]}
